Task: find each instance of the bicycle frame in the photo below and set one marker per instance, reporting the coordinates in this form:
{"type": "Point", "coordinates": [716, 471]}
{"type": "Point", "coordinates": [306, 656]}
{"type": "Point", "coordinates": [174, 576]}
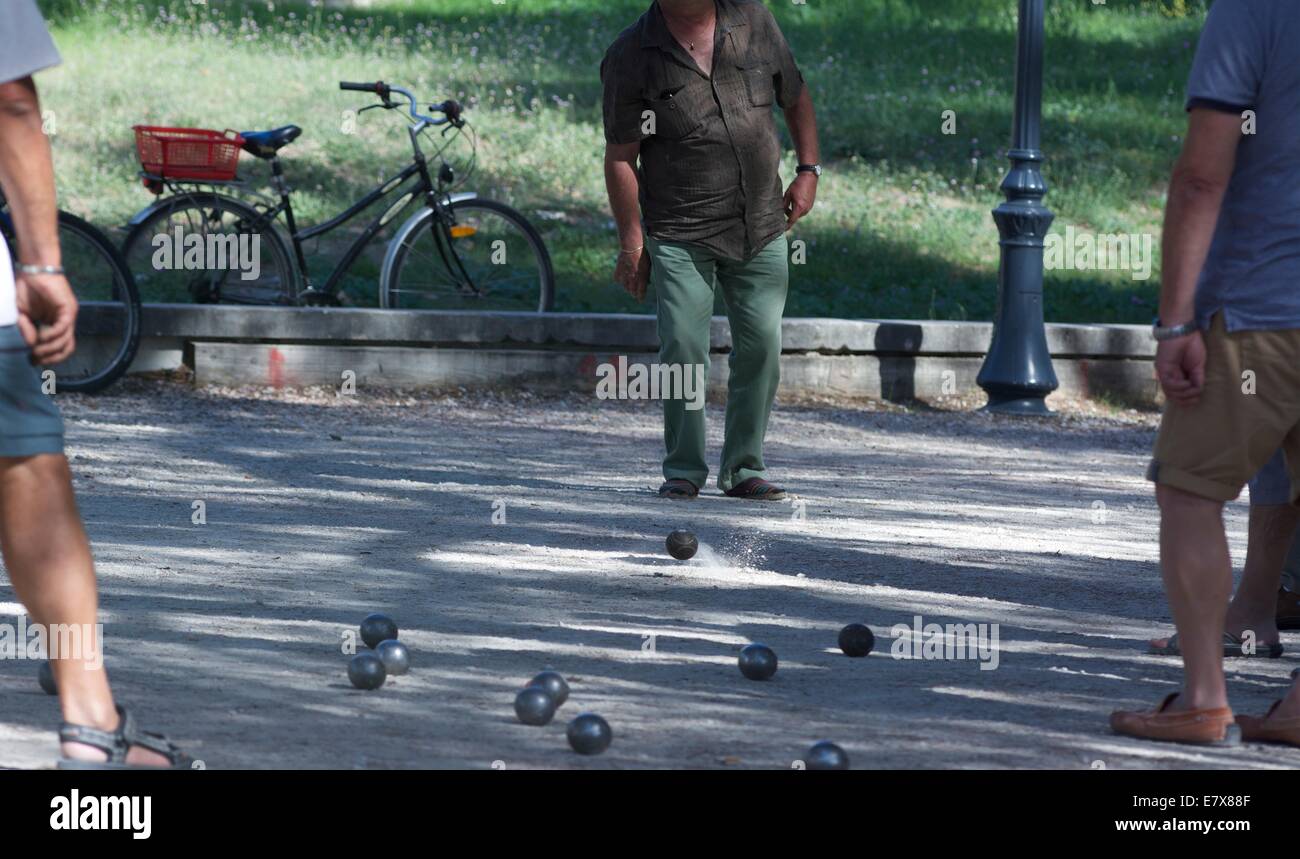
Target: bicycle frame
{"type": "Point", "coordinates": [424, 187]}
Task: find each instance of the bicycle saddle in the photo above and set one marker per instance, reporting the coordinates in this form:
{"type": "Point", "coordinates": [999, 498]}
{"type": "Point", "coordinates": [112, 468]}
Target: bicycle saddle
{"type": "Point", "coordinates": [264, 144]}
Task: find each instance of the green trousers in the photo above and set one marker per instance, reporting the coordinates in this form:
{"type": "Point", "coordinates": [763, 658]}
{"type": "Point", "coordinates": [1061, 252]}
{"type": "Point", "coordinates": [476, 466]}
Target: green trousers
{"type": "Point", "coordinates": [685, 278]}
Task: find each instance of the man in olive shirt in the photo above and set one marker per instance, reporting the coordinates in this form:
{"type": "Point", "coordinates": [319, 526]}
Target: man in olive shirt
{"type": "Point", "coordinates": [689, 92]}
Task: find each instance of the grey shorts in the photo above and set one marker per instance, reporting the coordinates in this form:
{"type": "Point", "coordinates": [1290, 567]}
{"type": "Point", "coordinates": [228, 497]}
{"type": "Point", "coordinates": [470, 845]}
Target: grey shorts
{"type": "Point", "coordinates": [29, 420]}
{"type": "Point", "coordinates": [1272, 484]}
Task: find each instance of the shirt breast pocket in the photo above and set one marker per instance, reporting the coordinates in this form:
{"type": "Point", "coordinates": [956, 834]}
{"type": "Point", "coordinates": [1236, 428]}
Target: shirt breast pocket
{"type": "Point", "coordinates": [673, 117]}
{"type": "Point", "coordinates": [758, 83]}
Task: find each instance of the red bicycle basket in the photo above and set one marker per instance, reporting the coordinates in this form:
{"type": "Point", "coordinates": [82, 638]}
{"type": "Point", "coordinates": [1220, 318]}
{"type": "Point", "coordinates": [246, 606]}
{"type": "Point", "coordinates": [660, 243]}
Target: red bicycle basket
{"type": "Point", "coordinates": [188, 153]}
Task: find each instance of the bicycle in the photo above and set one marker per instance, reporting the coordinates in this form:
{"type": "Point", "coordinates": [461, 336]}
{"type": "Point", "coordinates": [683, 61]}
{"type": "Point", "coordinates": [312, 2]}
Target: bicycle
{"type": "Point", "coordinates": [108, 316]}
{"type": "Point", "coordinates": [458, 251]}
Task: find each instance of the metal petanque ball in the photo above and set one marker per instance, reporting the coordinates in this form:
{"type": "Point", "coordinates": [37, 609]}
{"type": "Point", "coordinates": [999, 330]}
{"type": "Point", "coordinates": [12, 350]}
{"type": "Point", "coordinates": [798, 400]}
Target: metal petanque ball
{"type": "Point", "coordinates": [396, 658]}
{"type": "Point", "coordinates": [45, 675]}
{"type": "Point", "coordinates": [757, 661]}
{"type": "Point", "coordinates": [376, 628]}
{"type": "Point", "coordinates": [366, 671]}
{"type": "Point", "coordinates": [534, 705]}
{"type": "Point", "coordinates": [554, 684]}
{"type": "Point", "coordinates": [682, 545]}
{"type": "Point", "coordinates": [856, 639]}
{"type": "Point", "coordinates": [826, 756]}
{"type": "Point", "coordinates": [589, 734]}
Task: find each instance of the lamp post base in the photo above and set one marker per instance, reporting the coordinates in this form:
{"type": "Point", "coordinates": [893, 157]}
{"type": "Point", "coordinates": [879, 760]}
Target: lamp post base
{"type": "Point", "coordinates": [1023, 407]}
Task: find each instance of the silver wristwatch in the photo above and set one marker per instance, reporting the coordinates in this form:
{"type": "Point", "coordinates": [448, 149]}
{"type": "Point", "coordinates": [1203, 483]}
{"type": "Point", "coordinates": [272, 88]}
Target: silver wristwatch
{"type": "Point", "coordinates": [1173, 332]}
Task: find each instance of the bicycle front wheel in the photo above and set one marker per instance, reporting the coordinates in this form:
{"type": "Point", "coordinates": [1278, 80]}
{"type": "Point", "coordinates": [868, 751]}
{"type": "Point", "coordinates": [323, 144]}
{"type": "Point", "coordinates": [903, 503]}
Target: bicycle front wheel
{"type": "Point", "coordinates": [483, 256]}
{"type": "Point", "coordinates": [108, 315]}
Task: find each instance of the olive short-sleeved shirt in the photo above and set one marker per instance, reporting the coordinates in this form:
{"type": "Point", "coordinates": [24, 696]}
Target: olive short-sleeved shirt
{"type": "Point", "coordinates": [709, 149]}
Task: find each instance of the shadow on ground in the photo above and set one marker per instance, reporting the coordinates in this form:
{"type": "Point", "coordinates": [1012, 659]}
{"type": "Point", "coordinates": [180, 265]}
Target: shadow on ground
{"type": "Point", "coordinates": [228, 634]}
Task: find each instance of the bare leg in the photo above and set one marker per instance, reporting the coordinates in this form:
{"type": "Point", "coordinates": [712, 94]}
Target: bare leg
{"type": "Point", "coordinates": [49, 562]}
{"type": "Point", "coordinates": [1197, 574]}
{"type": "Point", "coordinates": [1254, 607]}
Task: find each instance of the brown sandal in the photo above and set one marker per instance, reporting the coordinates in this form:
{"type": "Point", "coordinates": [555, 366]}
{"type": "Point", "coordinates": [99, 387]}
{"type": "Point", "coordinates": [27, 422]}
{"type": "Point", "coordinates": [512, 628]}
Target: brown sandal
{"type": "Point", "coordinates": [1211, 726]}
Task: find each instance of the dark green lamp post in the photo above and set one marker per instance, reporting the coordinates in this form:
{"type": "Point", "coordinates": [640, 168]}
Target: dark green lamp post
{"type": "Point", "coordinates": [1017, 372]}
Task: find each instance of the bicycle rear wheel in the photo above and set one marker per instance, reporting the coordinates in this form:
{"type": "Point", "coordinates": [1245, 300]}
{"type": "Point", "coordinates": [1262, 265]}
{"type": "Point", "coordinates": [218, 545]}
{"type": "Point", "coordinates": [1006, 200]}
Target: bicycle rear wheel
{"type": "Point", "coordinates": [108, 315]}
{"type": "Point", "coordinates": [489, 258]}
{"type": "Point", "coordinates": [209, 248]}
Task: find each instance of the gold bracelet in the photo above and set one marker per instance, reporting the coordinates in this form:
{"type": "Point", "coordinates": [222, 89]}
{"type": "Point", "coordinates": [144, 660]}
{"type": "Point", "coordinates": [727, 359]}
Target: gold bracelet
{"type": "Point", "coordinates": [634, 250]}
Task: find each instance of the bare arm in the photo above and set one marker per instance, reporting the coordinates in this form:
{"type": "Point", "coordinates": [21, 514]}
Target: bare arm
{"type": "Point", "coordinates": [1200, 179]}
{"type": "Point", "coordinates": [27, 176]}
{"type": "Point", "coordinates": [27, 173]}
{"type": "Point", "coordinates": [621, 182]}
{"type": "Point", "coordinates": [802, 122]}
{"type": "Point", "coordinates": [1196, 190]}
{"type": "Point", "coordinates": [622, 185]}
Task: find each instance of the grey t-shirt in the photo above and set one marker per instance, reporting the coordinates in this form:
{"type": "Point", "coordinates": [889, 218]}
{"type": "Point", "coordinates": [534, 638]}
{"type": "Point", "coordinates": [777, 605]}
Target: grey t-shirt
{"type": "Point", "coordinates": [25, 47]}
{"type": "Point", "coordinates": [25, 44]}
{"type": "Point", "coordinates": [1249, 59]}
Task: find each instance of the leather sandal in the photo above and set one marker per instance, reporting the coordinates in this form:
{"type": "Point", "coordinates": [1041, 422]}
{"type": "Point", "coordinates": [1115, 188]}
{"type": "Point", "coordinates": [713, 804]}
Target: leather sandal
{"type": "Point", "coordinates": [117, 744]}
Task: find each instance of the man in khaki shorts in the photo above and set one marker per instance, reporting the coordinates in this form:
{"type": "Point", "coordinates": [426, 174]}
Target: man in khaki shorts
{"type": "Point", "coordinates": [1229, 353]}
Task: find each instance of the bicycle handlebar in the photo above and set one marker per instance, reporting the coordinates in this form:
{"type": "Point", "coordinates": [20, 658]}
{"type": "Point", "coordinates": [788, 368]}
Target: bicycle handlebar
{"type": "Point", "coordinates": [450, 109]}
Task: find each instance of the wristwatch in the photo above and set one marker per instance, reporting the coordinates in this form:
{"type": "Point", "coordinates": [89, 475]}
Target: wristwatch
{"type": "Point", "coordinates": [1172, 332]}
{"type": "Point", "coordinates": [815, 169]}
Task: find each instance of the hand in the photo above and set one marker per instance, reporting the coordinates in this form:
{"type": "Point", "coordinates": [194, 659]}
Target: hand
{"type": "Point", "coordinates": [799, 198]}
{"type": "Point", "coordinates": [633, 273]}
{"type": "Point", "coordinates": [47, 316]}
{"type": "Point", "coordinates": [1180, 367]}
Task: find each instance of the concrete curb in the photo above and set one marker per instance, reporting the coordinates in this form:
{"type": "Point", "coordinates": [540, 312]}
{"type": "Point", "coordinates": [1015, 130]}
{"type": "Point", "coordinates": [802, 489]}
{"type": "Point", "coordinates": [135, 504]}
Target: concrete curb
{"type": "Point", "coordinates": [427, 328]}
{"type": "Point", "coordinates": [893, 359]}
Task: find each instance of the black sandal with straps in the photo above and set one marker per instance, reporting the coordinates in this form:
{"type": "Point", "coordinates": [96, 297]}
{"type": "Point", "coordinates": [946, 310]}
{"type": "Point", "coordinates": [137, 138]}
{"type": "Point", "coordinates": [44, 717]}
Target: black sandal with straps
{"type": "Point", "coordinates": [117, 744]}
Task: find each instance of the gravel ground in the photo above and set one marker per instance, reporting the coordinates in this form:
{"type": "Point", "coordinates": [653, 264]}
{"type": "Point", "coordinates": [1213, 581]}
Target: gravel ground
{"type": "Point", "coordinates": [321, 509]}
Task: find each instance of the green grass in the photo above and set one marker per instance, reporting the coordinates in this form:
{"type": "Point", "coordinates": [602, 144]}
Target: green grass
{"type": "Point", "coordinates": [902, 227]}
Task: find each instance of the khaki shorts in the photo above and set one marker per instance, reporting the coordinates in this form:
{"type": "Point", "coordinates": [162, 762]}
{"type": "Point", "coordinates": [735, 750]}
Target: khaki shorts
{"type": "Point", "coordinates": [1249, 408]}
